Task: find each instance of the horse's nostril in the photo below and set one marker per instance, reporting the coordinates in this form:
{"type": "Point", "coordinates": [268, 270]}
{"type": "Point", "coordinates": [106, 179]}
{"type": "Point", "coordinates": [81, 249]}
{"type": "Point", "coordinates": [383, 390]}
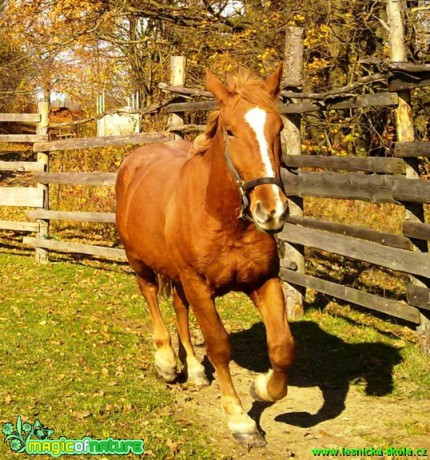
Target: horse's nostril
{"type": "Point", "coordinates": [262, 213]}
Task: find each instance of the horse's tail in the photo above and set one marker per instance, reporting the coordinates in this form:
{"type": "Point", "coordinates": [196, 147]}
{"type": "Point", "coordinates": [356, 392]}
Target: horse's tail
{"type": "Point", "coordinates": [165, 286]}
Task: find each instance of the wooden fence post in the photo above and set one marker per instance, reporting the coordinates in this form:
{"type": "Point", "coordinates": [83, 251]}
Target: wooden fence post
{"type": "Point", "coordinates": [177, 78]}
{"type": "Point", "coordinates": [405, 133]}
{"type": "Point", "coordinates": [293, 255]}
{"type": "Point", "coordinates": [43, 158]}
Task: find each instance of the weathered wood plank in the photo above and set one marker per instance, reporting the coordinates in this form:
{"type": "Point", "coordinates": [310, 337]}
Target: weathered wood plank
{"type": "Point", "coordinates": [20, 117]}
{"type": "Point", "coordinates": [299, 107]}
{"type": "Point", "coordinates": [412, 149]}
{"type": "Point", "coordinates": [78, 248]}
{"type": "Point", "coordinates": [93, 142]}
{"type": "Point", "coordinates": [409, 67]}
{"type": "Point", "coordinates": [354, 248]}
{"type": "Point", "coordinates": [374, 302]}
{"type": "Point", "coordinates": [295, 83]}
{"type": "Point", "coordinates": [375, 164]}
{"type": "Point", "coordinates": [27, 166]}
{"type": "Point", "coordinates": [177, 77]}
{"type": "Point", "coordinates": [19, 226]}
{"type": "Point", "coordinates": [20, 196]}
{"type": "Point", "coordinates": [103, 217]}
{"type": "Point", "coordinates": [291, 137]}
{"type": "Point", "coordinates": [418, 296]}
{"type": "Point", "coordinates": [93, 178]}
{"type": "Point", "coordinates": [406, 82]}
{"type": "Point", "coordinates": [42, 256]}
{"type": "Point", "coordinates": [386, 239]}
{"type": "Point", "coordinates": [374, 188]}
{"type": "Point", "coordinates": [192, 106]}
{"type": "Point", "coordinates": [416, 230]}
{"type": "Point", "coordinates": [31, 138]}
{"type": "Point", "coordinates": [185, 91]}
{"type": "Point", "coordinates": [367, 100]}
{"type": "Point", "coordinates": [408, 76]}
{"type": "Point", "coordinates": [187, 128]}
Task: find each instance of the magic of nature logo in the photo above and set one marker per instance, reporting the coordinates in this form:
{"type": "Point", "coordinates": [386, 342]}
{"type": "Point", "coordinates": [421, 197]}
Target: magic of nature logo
{"type": "Point", "coordinates": [34, 439]}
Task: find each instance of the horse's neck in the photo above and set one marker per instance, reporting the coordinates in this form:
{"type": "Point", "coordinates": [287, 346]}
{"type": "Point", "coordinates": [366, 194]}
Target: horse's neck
{"type": "Point", "coordinates": [222, 194]}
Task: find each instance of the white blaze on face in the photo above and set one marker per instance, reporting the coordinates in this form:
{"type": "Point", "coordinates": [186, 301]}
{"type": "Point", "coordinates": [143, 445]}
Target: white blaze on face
{"type": "Point", "coordinates": [256, 118]}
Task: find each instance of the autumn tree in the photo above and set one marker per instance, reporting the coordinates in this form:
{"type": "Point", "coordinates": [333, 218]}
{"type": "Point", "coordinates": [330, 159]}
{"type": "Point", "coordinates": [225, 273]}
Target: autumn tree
{"type": "Point", "coordinates": [81, 47]}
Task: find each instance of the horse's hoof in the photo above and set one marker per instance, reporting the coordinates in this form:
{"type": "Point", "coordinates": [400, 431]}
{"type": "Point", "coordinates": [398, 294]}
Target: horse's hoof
{"type": "Point", "coordinates": [245, 431]}
{"type": "Point", "coordinates": [165, 364]}
{"type": "Point", "coordinates": [166, 373]}
{"type": "Point", "coordinates": [198, 379]}
{"type": "Point", "coordinates": [253, 439]}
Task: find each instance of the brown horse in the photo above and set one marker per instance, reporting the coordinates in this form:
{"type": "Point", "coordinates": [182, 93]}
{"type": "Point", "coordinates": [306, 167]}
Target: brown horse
{"type": "Point", "coordinates": [201, 216]}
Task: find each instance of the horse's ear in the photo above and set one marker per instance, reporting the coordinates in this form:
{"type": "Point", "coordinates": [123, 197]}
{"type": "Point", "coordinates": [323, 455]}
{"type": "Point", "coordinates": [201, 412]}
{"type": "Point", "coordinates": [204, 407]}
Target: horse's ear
{"type": "Point", "coordinates": [214, 85]}
{"type": "Point", "coordinates": [273, 82]}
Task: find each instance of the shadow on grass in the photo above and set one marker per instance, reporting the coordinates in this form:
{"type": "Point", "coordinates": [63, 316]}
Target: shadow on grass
{"type": "Point", "coordinates": [321, 360]}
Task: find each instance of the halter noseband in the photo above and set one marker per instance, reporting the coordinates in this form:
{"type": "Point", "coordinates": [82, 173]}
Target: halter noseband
{"type": "Point", "coordinates": [244, 187]}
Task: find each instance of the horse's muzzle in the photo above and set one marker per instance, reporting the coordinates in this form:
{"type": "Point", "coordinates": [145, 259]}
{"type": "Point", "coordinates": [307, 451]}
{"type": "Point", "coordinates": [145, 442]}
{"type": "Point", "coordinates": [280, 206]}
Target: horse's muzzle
{"type": "Point", "coordinates": [269, 221]}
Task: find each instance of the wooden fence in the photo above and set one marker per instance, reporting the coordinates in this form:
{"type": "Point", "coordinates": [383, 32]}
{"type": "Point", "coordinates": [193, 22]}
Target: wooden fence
{"type": "Point", "coordinates": [378, 180]}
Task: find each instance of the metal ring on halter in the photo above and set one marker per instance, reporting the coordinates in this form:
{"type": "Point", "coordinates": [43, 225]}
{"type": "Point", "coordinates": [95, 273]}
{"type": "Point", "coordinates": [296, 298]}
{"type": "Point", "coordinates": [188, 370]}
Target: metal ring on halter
{"type": "Point", "coordinates": [244, 187]}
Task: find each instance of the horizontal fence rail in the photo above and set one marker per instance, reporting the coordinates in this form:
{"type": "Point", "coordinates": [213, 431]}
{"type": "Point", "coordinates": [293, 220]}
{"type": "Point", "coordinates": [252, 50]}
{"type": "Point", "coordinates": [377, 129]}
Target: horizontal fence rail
{"type": "Point", "coordinates": [412, 149]}
{"type": "Point", "coordinates": [391, 307]}
{"type": "Point", "coordinates": [355, 248]}
{"type": "Point", "coordinates": [94, 142]}
{"type": "Point", "coordinates": [20, 117]}
{"type": "Point", "coordinates": [23, 166]}
{"type": "Point", "coordinates": [418, 296]}
{"type": "Point", "coordinates": [20, 196]}
{"type": "Point", "coordinates": [61, 246]}
{"type": "Point", "coordinates": [416, 230]}
{"type": "Point", "coordinates": [23, 138]}
{"type": "Point", "coordinates": [368, 100]}
{"type": "Point", "coordinates": [372, 165]}
{"type": "Point", "coordinates": [386, 239]}
{"type": "Point", "coordinates": [79, 178]}
{"type": "Point", "coordinates": [374, 188]}
{"type": "Point", "coordinates": [100, 217]}
{"type": "Point", "coordinates": [19, 226]}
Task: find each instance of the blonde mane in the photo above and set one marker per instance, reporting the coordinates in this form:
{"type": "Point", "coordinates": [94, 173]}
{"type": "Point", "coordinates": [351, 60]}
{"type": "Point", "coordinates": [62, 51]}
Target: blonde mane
{"type": "Point", "coordinates": [246, 86]}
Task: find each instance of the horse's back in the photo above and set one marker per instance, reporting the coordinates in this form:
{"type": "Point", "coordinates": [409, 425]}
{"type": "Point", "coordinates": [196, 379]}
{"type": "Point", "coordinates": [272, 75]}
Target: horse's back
{"type": "Point", "coordinates": [145, 185]}
{"type": "Point", "coordinates": [136, 164]}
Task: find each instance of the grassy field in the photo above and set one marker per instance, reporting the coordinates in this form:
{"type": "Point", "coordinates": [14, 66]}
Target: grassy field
{"type": "Point", "coordinates": [76, 353]}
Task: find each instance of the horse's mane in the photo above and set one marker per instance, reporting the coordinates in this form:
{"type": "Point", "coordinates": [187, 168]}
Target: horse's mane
{"type": "Point", "coordinates": [248, 87]}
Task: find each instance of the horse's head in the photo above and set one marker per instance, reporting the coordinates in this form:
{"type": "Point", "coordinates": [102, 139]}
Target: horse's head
{"type": "Point", "coordinates": [250, 125]}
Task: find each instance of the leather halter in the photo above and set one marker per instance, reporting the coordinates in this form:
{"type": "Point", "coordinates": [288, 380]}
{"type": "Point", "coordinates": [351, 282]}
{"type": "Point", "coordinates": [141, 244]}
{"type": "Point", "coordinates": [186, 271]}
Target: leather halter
{"type": "Point", "coordinates": [245, 187]}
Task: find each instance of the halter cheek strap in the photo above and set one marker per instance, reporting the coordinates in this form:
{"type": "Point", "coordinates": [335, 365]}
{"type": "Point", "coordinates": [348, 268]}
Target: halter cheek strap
{"type": "Point", "coordinates": [244, 187]}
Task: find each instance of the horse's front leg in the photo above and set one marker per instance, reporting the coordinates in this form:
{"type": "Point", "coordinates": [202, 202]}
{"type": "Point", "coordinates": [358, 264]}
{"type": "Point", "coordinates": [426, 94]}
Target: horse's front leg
{"type": "Point", "coordinates": [269, 299]}
{"type": "Point", "coordinates": [218, 350]}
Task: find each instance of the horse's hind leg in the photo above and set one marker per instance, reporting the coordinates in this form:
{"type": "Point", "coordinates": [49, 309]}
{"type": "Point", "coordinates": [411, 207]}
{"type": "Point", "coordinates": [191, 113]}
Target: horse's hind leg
{"type": "Point", "coordinates": [194, 370]}
{"type": "Point", "coordinates": [165, 356]}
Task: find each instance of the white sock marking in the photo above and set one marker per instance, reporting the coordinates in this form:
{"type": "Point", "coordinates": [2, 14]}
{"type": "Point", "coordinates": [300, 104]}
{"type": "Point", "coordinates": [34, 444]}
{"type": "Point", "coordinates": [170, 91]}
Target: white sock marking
{"type": "Point", "coordinates": [256, 118]}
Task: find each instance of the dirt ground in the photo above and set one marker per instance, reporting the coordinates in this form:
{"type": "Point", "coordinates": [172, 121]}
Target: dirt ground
{"type": "Point", "coordinates": [293, 426]}
{"type": "Point", "coordinates": [328, 406]}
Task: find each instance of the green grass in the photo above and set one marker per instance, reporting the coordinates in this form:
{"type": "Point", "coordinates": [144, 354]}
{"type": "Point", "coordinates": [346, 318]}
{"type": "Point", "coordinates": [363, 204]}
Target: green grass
{"type": "Point", "coordinates": [76, 352]}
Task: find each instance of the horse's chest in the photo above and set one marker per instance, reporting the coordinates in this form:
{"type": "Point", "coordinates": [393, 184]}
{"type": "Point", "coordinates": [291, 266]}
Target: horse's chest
{"type": "Point", "coordinates": [233, 266]}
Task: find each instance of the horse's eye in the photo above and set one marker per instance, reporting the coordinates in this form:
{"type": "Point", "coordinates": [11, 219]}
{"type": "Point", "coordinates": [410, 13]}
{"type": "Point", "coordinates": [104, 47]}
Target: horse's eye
{"type": "Point", "coordinates": [229, 133]}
